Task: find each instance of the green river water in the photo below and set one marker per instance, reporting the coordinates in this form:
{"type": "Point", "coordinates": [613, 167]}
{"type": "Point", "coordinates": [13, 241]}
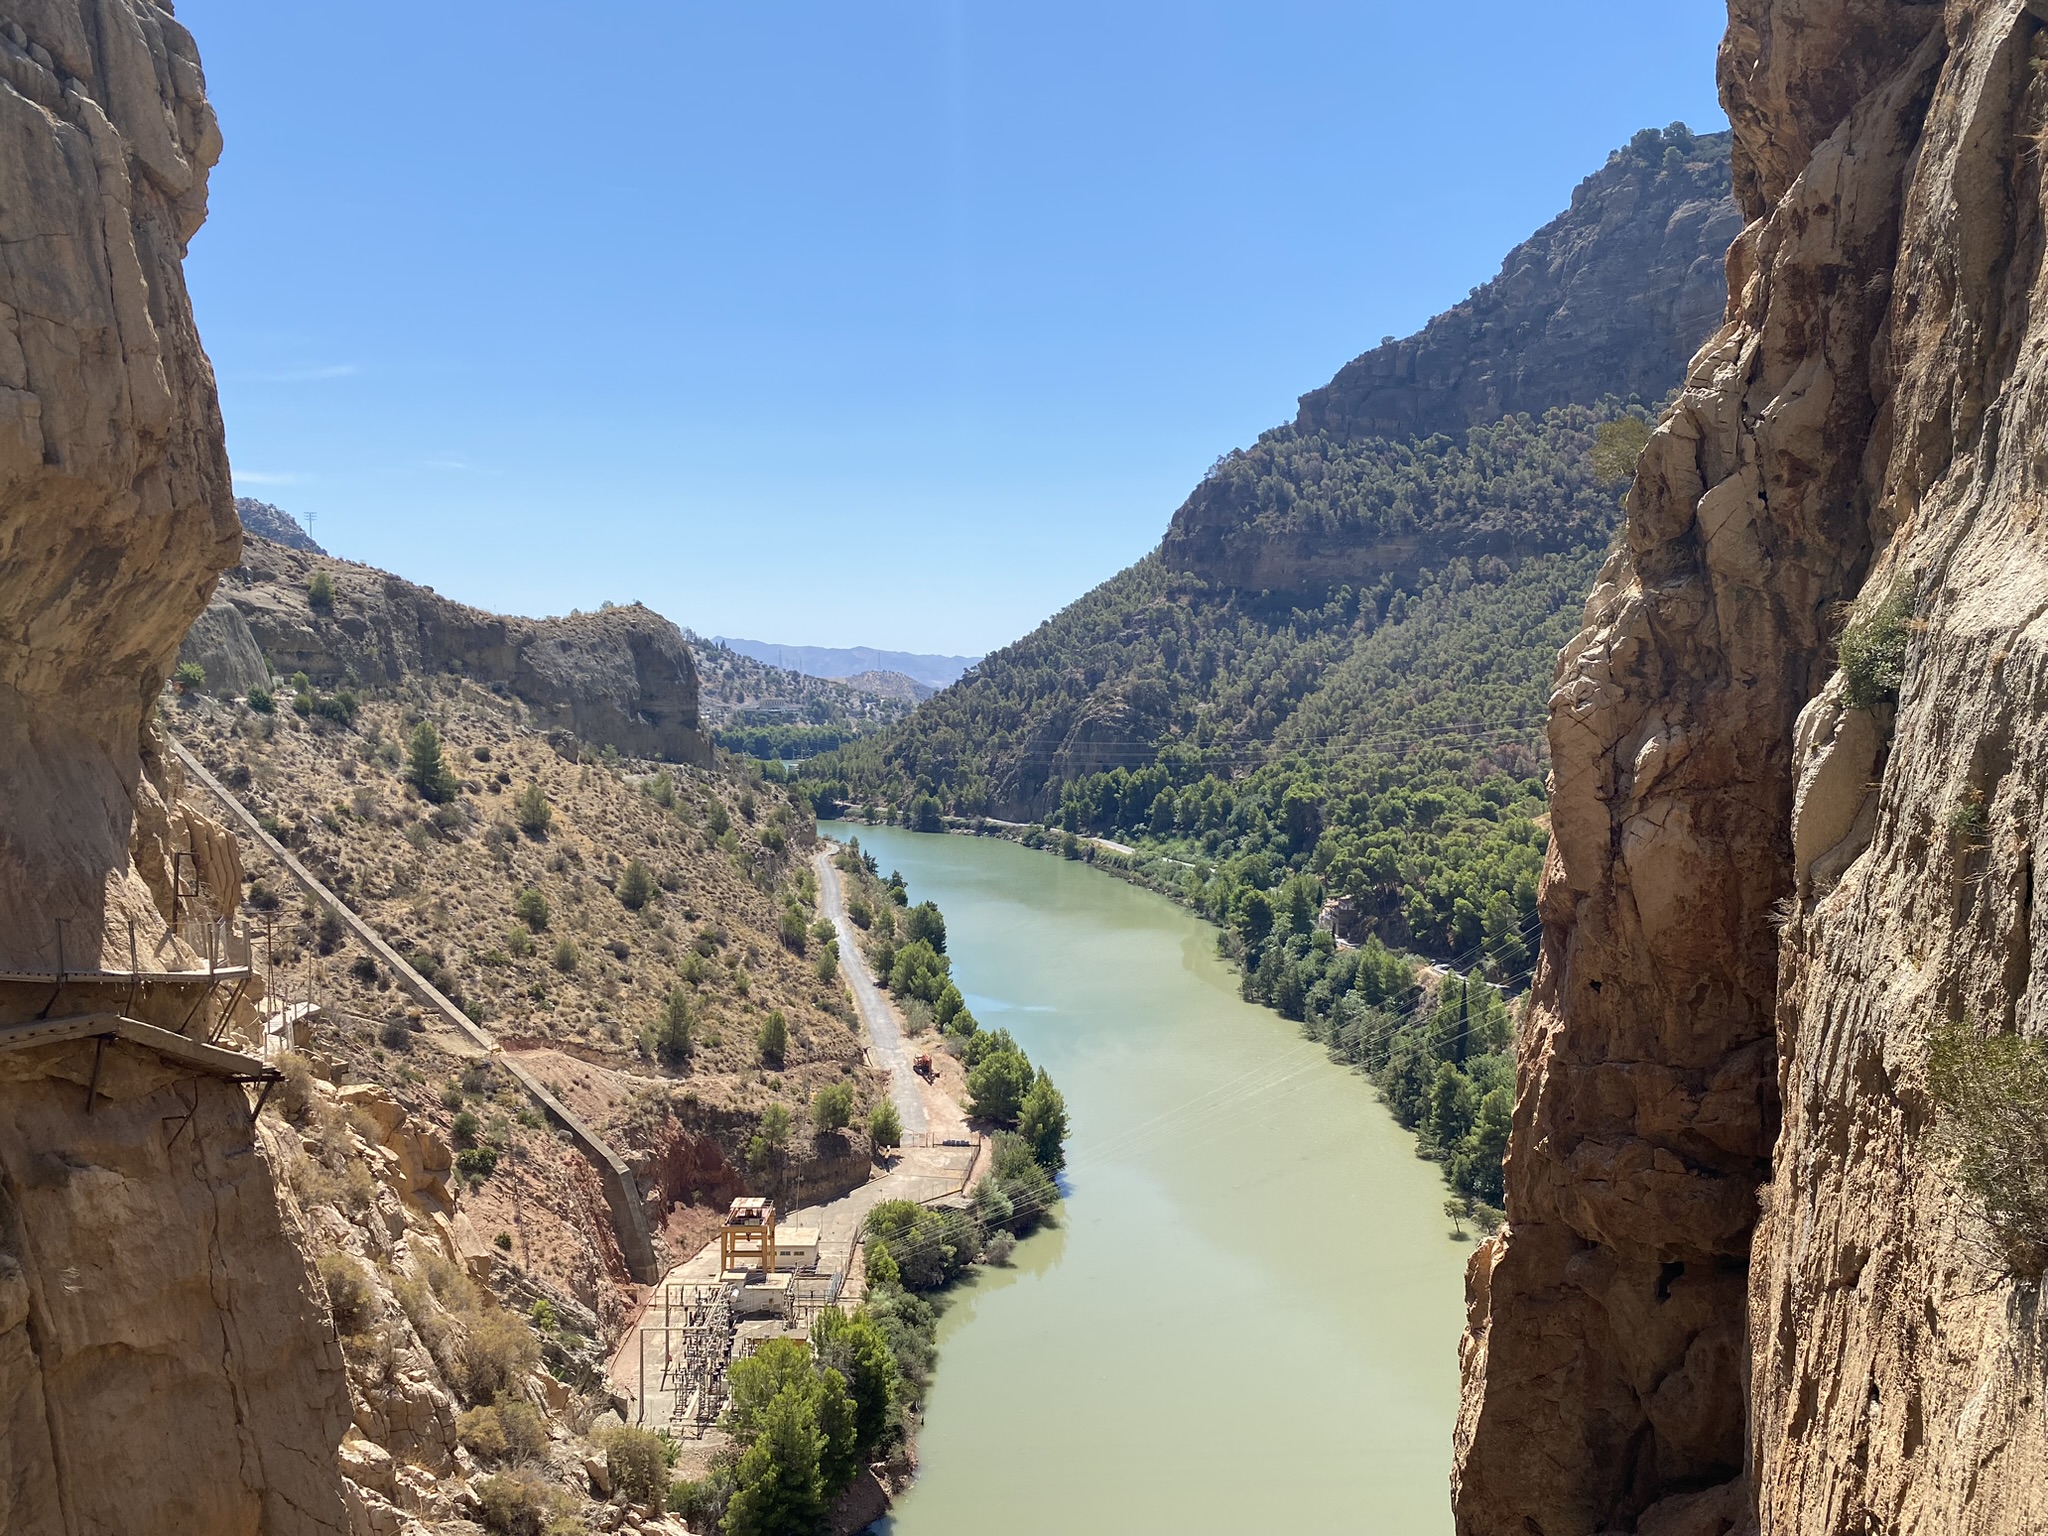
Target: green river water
{"type": "Point", "coordinates": [1247, 1319]}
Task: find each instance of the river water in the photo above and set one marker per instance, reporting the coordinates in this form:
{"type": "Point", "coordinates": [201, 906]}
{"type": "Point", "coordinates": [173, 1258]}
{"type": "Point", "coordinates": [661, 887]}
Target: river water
{"type": "Point", "coordinates": [1247, 1319]}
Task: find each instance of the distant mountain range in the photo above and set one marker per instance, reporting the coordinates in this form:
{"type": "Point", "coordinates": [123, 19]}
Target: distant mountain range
{"type": "Point", "coordinates": [851, 661]}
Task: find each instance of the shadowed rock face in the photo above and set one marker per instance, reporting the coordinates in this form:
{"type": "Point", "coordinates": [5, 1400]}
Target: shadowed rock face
{"type": "Point", "coordinates": [1610, 298]}
{"type": "Point", "coordinates": [622, 677]}
{"type": "Point", "coordinates": [165, 1366]}
{"type": "Point", "coordinates": [1738, 1292]}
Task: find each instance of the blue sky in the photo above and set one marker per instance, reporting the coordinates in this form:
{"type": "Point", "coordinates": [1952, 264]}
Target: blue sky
{"type": "Point", "coordinates": [900, 324]}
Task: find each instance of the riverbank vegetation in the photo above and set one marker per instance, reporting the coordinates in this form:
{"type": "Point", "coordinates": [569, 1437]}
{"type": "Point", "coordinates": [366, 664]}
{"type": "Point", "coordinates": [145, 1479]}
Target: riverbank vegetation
{"type": "Point", "coordinates": [805, 1419]}
{"type": "Point", "coordinates": [807, 1416]}
{"type": "Point", "coordinates": [1349, 782]}
{"type": "Point", "coordinates": [905, 946]}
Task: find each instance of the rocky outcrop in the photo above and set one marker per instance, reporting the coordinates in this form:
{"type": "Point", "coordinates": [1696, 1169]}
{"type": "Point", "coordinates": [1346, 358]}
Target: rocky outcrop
{"type": "Point", "coordinates": [222, 647]}
{"type": "Point", "coordinates": [275, 524]}
{"type": "Point", "coordinates": [621, 677]}
{"type": "Point", "coordinates": [165, 1363]}
{"type": "Point", "coordinates": [1607, 300]}
{"type": "Point", "coordinates": [1739, 1291]}
{"type": "Point", "coordinates": [112, 469]}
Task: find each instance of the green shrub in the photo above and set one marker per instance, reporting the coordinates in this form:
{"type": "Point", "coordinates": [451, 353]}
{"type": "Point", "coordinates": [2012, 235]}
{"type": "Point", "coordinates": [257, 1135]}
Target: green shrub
{"type": "Point", "coordinates": [929, 1248]}
{"type": "Point", "coordinates": [832, 1107]}
{"type": "Point", "coordinates": [531, 908]}
{"type": "Point", "coordinates": [477, 1163]}
{"type": "Point", "coordinates": [672, 1031]}
{"type": "Point", "coordinates": [792, 930]}
{"type": "Point", "coordinates": [350, 1296]}
{"type": "Point", "coordinates": [1042, 1121]}
{"type": "Point", "coordinates": [638, 1461]}
{"type": "Point", "coordinates": [854, 1345]}
{"type": "Point", "coordinates": [320, 592]}
{"type": "Point", "coordinates": [997, 1086]}
{"type": "Point", "coordinates": [800, 1430]}
{"type": "Point", "coordinates": [190, 677]}
{"type": "Point", "coordinates": [1969, 819]}
{"type": "Point", "coordinates": [426, 770]}
{"type": "Point", "coordinates": [565, 957]}
{"type": "Point", "coordinates": [1872, 650]}
{"type": "Point", "coordinates": [885, 1126]}
{"type": "Point", "coordinates": [1991, 1126]}
{"type": "Point", "coordinates": [341, 707]}
{"type": "Point", "coordinates": [925, 921]}
{"type": "Point", "coordinates": [771, 1138]}
{"type": "Point", "coordinates": [532, 811]}
{"type": "Point", "coordinates": [636, 886]}
{"type": "Point", "coordinates": [773, 1040]}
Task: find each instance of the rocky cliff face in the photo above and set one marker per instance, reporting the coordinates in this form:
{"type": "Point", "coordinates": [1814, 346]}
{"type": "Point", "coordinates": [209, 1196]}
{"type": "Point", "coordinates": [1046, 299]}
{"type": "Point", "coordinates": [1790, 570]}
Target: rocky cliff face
{"type": "Point", "coordinates": [275, 524]}
{"type": "Point", "coordinates": [1608, 299]}
{"type": "Point", "coordinates": [1739, 1291]}
{"type": "Point", "coordinates": [622, 677]}
{"type": "Point", "coordinates": [164, 1363]}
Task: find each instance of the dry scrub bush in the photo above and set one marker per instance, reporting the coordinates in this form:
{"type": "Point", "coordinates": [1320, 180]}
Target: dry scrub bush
{"type": "Point", "coordinates": [512, 1430]}
{"type": "Point", "coordinates": [637, 1460]}
{"type": "Point", "coordinates": [1991, 1126]}
{"type": "Point", "coordinates": [295, 1096]}
{"type": "Point", "coordinates": [350, 1296]}
{"type": "Point", "coordinates": [497, 1350]}
{"type": "Point", "coordinates": [523, 1503]}
{"type": "Point", "coordinates": [316, 1181]}
{"type": "Point", "coordinates": [1872, 650]}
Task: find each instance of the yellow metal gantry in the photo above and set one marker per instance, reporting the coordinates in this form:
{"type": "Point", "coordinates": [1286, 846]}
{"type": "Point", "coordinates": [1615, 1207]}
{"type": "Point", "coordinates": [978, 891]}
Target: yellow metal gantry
{"type": "Point", "coordinates": [747, 1241]}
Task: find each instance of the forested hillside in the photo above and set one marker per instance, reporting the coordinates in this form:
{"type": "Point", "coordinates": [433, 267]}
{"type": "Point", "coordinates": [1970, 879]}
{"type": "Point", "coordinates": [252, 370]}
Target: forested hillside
{"type": "Point", "coordinates": [1337, 662]}
{"type": "Point", "coordinates": [1316, 713]}
{"type": "Point", "coordinates": [1387, 740]}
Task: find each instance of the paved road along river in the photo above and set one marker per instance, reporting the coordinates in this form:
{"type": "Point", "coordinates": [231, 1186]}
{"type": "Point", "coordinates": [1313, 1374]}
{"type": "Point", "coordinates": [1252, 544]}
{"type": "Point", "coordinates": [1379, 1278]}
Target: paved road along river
{"type": "Point", "coordinates": [1247, 1320]}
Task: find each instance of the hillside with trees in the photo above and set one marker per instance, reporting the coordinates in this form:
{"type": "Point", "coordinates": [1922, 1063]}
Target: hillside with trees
{"type": "Point", "coordinates": [1317, 712]}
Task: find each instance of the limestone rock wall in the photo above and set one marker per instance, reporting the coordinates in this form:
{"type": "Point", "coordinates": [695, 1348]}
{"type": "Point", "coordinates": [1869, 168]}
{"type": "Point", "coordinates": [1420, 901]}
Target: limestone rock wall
{"type": "Point", "coordinates": [221, 645]}
{"type": "Point", "coordinates": [1611, 297]}
{"type": "Point", "coordinates": [113, 475]}
{"type": "Point", "coordinates": [621, 677]}
{"type": "Point", "coordinates": [1738, 1292]}
{"type": "Point", "coordinates": [165, 1363]}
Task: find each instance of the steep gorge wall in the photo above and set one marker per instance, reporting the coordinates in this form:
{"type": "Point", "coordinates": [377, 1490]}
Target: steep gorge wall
{"type": "Point", "coordinates": [165, 1364]}
{"type": "Point", "coordinates": [1608, 299]}
{"type": "Point", "coordinates": [1755, 907]}
{"type": "Point", "coordinates": [621, 677]}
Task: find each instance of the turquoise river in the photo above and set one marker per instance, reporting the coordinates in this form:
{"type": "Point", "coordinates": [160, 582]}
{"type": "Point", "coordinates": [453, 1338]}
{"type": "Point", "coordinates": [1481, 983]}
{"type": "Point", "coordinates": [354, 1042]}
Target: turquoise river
{"type": "Point", "coordinates": [1247, 1319]}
